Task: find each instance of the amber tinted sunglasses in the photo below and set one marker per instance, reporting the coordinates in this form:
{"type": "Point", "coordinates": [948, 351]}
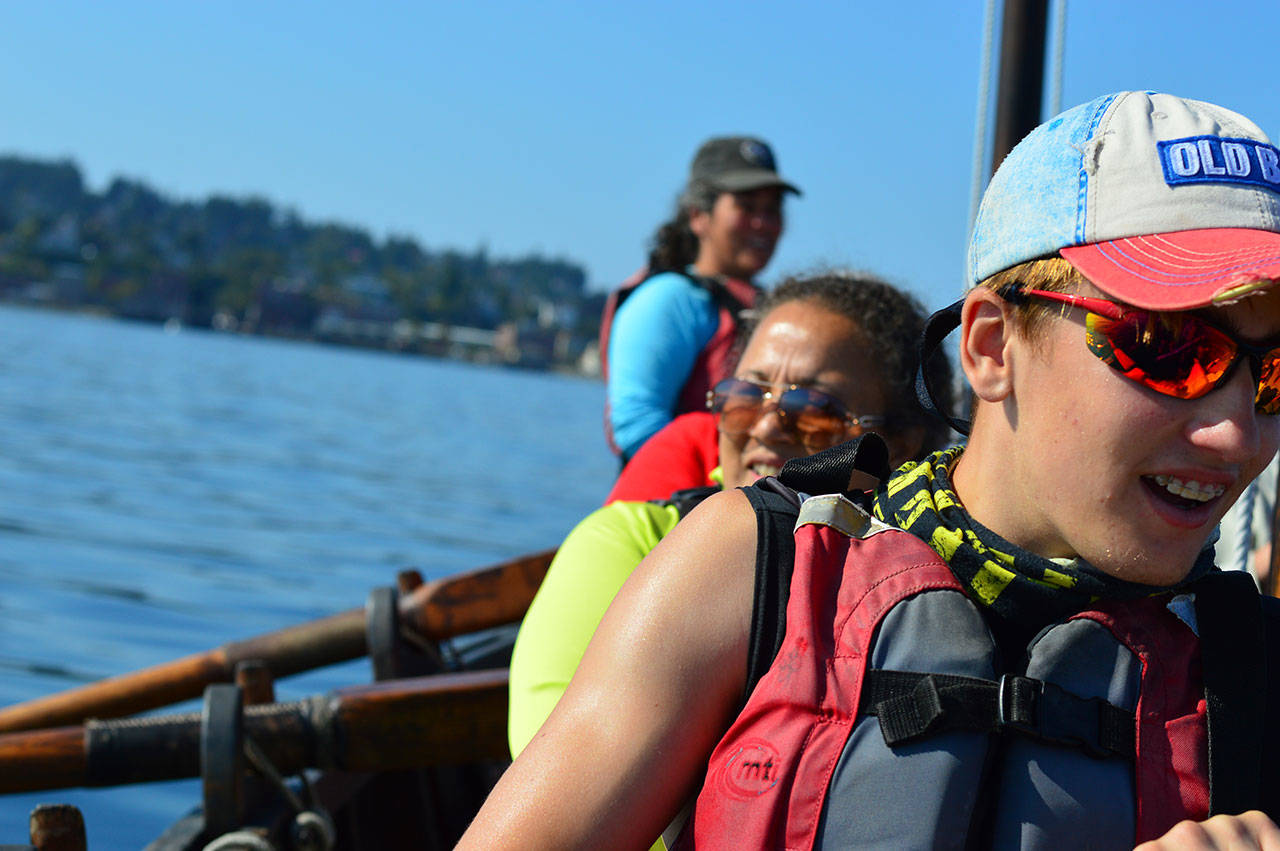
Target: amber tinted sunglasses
{"type": "Point", "coordinates": [815, 419]}
{"type": "Point", "coordinates": [1184, 356]}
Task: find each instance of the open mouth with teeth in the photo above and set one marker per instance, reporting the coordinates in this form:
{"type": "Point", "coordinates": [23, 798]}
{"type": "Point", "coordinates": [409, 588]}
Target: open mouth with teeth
{"type": "Point", "coordinates": [763, 470]}
{"type": "Point", "coordinates": [1183, 494]}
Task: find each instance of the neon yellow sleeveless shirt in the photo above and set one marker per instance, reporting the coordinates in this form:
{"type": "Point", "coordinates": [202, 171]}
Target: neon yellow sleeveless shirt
{"type": "Point", "coordinates": [589, 568]}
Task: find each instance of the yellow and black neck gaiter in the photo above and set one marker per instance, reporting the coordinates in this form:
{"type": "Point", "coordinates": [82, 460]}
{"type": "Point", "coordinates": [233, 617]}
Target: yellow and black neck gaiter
{"type": "Point", "coordinates": [1016, 585]}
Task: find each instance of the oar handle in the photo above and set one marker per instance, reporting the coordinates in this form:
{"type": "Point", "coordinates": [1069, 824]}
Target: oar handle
{"type": "Point", "coordinates": [441, 609]}
{"type": "Point", "coordinates": [399, 724]}
{"type": "Point", "coordinates": [477, 600]}
{"type": "Point", "coordinates": [336, 638]}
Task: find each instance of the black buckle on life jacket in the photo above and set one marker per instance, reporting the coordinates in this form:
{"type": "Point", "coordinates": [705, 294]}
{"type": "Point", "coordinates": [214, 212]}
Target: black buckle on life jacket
{"type": "Point", "coordinates": [1016, 702]}
{"type": "Point", "coordinates": [913, 706]}
{"type": "Point", "coordinates": [1049, 713]}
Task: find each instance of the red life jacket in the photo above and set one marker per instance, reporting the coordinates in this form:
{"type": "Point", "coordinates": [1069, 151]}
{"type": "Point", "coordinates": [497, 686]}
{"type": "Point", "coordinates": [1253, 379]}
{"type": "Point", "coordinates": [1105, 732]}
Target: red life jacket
{"type": "Point", "coordinates": [809, 759]}
{"type": "Point", "coordinates": [682, 454]}
{"type": "Point", "coordinates": [714, 362]}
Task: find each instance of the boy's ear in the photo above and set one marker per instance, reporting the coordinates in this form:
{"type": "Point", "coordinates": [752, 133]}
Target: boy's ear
{"type": "Point", "coordinates": [987, 330]}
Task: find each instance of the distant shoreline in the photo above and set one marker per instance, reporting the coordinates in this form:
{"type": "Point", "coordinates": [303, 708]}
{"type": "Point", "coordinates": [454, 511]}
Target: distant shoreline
{"type": "Point", "coordinates": [174, 324]}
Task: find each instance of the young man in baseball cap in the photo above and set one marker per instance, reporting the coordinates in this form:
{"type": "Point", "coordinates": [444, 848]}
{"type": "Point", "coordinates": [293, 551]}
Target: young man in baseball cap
{"type": "Point", "coordinates": [1021, 641]}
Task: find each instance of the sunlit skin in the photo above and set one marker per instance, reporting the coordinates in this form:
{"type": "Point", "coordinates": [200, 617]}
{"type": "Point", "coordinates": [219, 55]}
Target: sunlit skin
{"type": "Point", "coordinates": [1080, 444]}
{"type": "Point", "coordinates": [660, 681]}
{"type": "Point", "coordinates": [1246, 831]}
{"type": "Point", "coordinates": [737, 236]}
{"type": "Point", "coordinates": [802, 343]}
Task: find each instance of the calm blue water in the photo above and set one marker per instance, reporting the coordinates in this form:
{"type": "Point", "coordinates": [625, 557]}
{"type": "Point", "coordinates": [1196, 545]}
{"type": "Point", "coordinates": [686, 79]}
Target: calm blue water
{"type": "Point", "coordinates": [163, 493]}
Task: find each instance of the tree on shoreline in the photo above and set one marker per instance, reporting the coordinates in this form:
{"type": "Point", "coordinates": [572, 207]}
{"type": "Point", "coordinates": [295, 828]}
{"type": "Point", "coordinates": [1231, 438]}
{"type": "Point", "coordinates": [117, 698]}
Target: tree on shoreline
{"type": "Point", "coordinates": [133, 252]}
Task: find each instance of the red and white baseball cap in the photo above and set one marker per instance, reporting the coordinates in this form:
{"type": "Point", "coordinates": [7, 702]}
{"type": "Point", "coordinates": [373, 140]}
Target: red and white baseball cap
{"type": "Point", "coordinates": [1161, 202]}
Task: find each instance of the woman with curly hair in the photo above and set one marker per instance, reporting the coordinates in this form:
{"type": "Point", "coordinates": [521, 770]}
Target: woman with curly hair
{"type": "Point", "coordinates": [830, 356]}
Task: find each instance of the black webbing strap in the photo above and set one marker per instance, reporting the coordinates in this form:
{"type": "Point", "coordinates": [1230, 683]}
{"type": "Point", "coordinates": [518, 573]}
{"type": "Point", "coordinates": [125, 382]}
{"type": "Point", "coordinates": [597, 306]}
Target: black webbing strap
{"type": "Point", "coordinates": [1229, 616]}
{"type": "Point", "coordinates": [829, 471]}
{"type": "Point", "coordinates": [720, 293]}
{"type": "Point", "coordinates": [939, 325]}
{"type": "Point", "coordinates": [687, 499]}
{"type": "Point", "coordinates": [777, 505]}
{"type": "Point", "coordinates": [776, 510]}
{"type": "Point", "coordinates": [1269, 791]}
{"type": "Point", "coordinates": [914, 706]}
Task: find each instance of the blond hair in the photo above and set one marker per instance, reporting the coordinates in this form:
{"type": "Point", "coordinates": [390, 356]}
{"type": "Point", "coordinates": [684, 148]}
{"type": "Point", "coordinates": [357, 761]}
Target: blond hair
{"type": "Point", "coordinates": [1048, 273]}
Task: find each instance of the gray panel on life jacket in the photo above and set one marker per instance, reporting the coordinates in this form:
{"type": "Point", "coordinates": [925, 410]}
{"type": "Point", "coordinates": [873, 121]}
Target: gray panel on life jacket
{"type": "Point", "coordinates": [1059, 797]}
{"type": "Point", "coordinates": [922, 794]}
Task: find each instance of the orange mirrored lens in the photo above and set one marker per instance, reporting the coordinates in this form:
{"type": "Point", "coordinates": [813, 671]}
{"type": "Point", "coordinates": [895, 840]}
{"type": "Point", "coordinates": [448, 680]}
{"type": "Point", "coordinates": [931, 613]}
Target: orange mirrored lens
{"type": "Point", "coordinates": [1184, 358]}
{"type": "Point", "coordinates": [1177, 354]}
{"type": "Point", "coordinates": [1268, 399]}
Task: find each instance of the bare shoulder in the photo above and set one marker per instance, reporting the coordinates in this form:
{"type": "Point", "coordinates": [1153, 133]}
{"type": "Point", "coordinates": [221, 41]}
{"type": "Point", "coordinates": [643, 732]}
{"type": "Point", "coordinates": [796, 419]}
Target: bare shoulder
{"type": "Point", "coordinates": [700, 577]}
{"type": "Point", "coordinates": [627, 744]}
{"type": "Point", "coordinates": [719, 537]}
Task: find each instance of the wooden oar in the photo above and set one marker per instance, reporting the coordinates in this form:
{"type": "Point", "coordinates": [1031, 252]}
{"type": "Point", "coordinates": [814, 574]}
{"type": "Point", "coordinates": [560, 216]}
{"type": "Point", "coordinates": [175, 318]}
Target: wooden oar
{"type": "Point", "coordinates": [397, 724]}
{"type": "Point", "coordinates": [436, 610]}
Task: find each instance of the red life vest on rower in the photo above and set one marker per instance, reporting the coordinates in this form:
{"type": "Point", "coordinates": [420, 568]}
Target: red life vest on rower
{"type": "Point", "coordinates": [805, 762]}
{"type": "Point", "coordinates": [680, 455]}
{"type": "Point", "coordinates": [716, 360]}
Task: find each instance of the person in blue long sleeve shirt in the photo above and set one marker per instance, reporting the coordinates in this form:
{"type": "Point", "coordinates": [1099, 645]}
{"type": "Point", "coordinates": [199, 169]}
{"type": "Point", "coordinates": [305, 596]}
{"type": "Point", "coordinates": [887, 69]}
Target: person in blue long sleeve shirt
{"type": "Point", "coordinates": [672, 337]}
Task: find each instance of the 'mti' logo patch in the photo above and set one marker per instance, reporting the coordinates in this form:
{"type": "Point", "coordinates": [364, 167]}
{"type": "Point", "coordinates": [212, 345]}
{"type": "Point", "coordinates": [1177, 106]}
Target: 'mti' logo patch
{"type": "Point", "coordinates": [1213, 159]}
{"type": "Point", "coordinates": [752, 769]}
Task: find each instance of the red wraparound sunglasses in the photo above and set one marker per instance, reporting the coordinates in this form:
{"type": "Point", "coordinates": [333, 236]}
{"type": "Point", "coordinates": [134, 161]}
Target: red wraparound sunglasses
{"type": "Point", "coordinates": [816, 419]}
{"type": "Point", "coordinates": [1182, 355]}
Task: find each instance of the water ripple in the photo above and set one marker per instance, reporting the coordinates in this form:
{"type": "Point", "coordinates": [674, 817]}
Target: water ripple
{"type": "Point", "coordinates": [163, 494]}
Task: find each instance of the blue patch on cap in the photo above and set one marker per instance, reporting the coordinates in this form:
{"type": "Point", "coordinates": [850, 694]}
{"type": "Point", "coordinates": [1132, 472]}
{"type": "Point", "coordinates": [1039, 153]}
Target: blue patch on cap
{"type": "Point", "coordinates": [757, 154]}
{"type": "Point", "coordinates": [1213, 159]}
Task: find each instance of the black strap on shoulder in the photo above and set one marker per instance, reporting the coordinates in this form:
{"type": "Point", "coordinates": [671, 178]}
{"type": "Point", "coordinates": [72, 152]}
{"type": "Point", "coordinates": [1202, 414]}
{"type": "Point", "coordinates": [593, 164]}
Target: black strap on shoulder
{"type": "Point", "coordinates": [776, 510]}
{"type": "Point", "coordinates": [720, 294]}
{"type": "Point", "coordinates": [1229, 617]}
{"type": "Point", "coordinates": [777, 505]}
{"type": "Point", "coordinates": [687, 499]}
{"type": "Point", "coordinates": [829, 471]}
{"type": "Point", "coordinates": [1269, 791]}
{"type": "Point", "coordinates": [914, 706]}
{"type": "Point", "coordinates": [940, 324]}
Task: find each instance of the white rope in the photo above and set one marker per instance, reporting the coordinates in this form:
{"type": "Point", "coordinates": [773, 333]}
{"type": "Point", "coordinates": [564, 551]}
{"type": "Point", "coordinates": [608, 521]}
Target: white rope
{"type": "Point", "coordinates": [1059, 47]}
{"type": "Point", "coordinates": [977, 181]}
{"type": "Point", "coordinates": [978, 176]}
{"type": "Point", "coordinates": [240, 840]}
{"type": "Point", "coordinates": [1244, 540]}
{"type": "Point", "coordinates": [313, 830]}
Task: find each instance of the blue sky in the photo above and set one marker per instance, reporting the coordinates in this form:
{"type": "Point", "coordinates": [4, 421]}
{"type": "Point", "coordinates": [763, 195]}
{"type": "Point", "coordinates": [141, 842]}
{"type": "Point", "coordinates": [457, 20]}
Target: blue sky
{"type": "Point", "coordinates": [566, 127]}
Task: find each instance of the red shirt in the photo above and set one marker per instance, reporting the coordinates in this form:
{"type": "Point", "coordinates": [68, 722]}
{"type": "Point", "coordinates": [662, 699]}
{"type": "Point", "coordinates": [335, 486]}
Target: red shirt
{"type": "Point", "coordinates": [681, 455]}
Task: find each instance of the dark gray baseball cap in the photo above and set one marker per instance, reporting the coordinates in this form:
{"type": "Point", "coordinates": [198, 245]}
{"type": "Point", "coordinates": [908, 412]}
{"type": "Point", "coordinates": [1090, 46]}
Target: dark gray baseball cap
{"type": "Point", "coordinates": [737, 164]}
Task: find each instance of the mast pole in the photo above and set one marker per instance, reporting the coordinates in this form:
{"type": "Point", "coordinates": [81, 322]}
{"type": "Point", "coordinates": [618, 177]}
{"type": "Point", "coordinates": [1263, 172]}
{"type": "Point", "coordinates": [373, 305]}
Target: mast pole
{"type": "Point", "coordinates": [1018, 96]}
{"type": "Point", "coordinates": [1021, 81]}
